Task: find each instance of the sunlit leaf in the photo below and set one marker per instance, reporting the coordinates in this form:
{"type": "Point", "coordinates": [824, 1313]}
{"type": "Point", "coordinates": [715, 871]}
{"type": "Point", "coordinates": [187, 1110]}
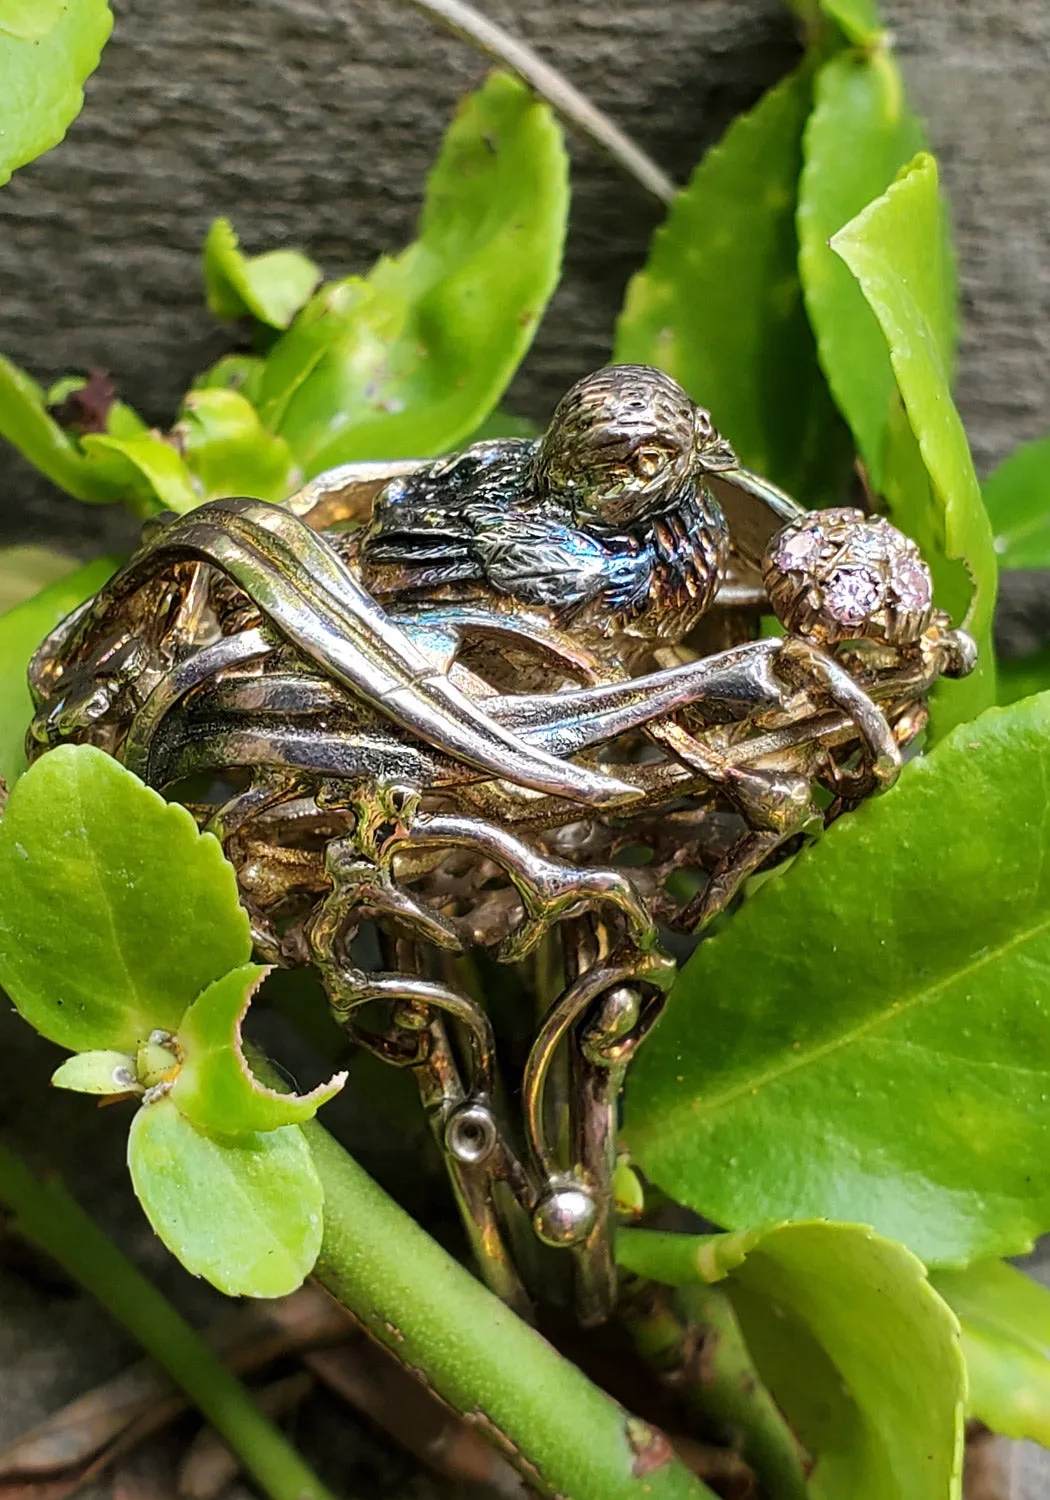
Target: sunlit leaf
{"type": "Point", "coordinates": [21, 631]}
{"type": "Point", "coordinates": [719, 305]}
{"type": "Point", "coordinates": [270, 287]}
{"type": "Point", "coordinates": [215, 1087]}
{"type": "Point", "coordinates": [411, 360]}
{"type": "Point", "coordinates": [1005, 1318]}
{"type": "Point", "coordinates": [858, 1349]}
{"type": "Point", "coordinates": [149, 465]}
{"type": "Point", "coordinates": [859, 20]}
{"type": "Point", "coordinates": [861, 132]}
{"type": "Point", "coordinates": [244, 1214]}
{"type": "Point", "coordinates": [893, 249]}
{"type": "Point", "coordinates": [103, 1072]}
{"type": "Point", "coordinates": [234, 372]}
{"type": "Point", "coordinates": [41, 79]}
{"type": "Point", "coordinates": [1017, 496]}
{"type": "Point", "coordinates": [115, 912]}
{"type": "Point", "coordinates": [870, 1034]}
{"type": "Point", "coordinates": [27, 425]}
{"type": "Point", "coordinates": [230, 452]}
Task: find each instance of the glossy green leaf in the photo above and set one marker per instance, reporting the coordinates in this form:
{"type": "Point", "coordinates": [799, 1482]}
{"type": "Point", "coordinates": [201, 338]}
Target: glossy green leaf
{"type": "Point", "coordinates": [21, 631]}
{"type": "Point", "coordinates": [719, 305]}
{"type": "Point", "coordinates": [893, 249]}
{"type": "Point", "coordinates": [1005, 1318]}
{"type": "Point", "coordinates": [25, 571]}
{"type": "Point", "coordinates": [27, 425]}
{"type": "Point", "coordinates": [246, 1214]}
{"type": "Point", "coordinates": [103, 1072]}
{"type": "Point", "coordinates": [115, 912]}
{"type": "Point", "coordinates": [1017, 497]}
{"type": "Point", "coordinates": [230, 452]}
{"type": "Point", "coordinates": [234, 372]}
{"type": "Point", "coordinates": [215, 1087]}
{"type": "Point", "coordinates": [270, 287]}
{"type": "Point", "coordinates": [147, 467]}
{"type": "Point", "coordinates": [41, 80]}
{"type": "Point", "coordinates": [426, 346]}
{"type": "Point", "coordinates": [870, 1035]}
{"type": "Point", "coordinates": [859, 1351]}
{"type": "Point", "coordinates": [30, 20]}
{"type": "Point", "coordinates": [859, 135]}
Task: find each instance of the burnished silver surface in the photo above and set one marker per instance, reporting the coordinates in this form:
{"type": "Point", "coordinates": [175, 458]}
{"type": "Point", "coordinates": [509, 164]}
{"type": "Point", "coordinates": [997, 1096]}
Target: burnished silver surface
{"type": "Point", "coordinates": [515, 700]}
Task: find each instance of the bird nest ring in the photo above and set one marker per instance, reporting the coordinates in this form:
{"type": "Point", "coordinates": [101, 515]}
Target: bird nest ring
{"type": "Point", "coordinates": [515, 702]}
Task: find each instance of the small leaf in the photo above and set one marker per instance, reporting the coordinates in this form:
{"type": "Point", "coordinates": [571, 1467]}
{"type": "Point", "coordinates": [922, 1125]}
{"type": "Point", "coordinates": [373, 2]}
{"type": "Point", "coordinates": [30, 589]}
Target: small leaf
{"type": "Point", "coordinates": [859, 20]}
{"type": "Point", "coordinates": [230, 452]}
{"type": "Point", "coordinates": [25, 571]}
{"type": "Point", "coordinates": [1005, 1318]}
{"type": "Point", "coordinates": [1017, 496]}
{"type": "Point", "coordinates": [115, 912]}
{"type": "Point", "coordinates": [271, 287]}
{"type": "Point", "coordinates": [27, 426]}
{"type": "Point", "coordinates": [719, 305]}
{"type": "Point", "coordinates": [215, 1088]}
{"type": "Point", "coordinates": [858, 1349]}
{"type": "Point", "coordinates": [422, 351]}
{"type": "Point", "coordinates": [868, 1035]}
{"type": "Point", "coordinates": [30, 20]}
{"type": "Point", "coordinates": [21, 631]}
{"type": "Point", "coordinates": [234, 372]}
{"type": "Point", "coordinates": [148, 467]}
{"type": "Point", "coordinates": [244, 1214]}
{"type": "Point", "coordinates": [892, 248]}
{"type": "Point", "coordinates": [97, 1073]}
{"type": "Point", "coordinates": [41, 80]}
{"type": "Point", "coordinates": [859, 135]}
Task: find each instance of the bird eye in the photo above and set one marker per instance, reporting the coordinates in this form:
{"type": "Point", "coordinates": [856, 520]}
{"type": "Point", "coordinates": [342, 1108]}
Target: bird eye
{"type": "Point", "coordinates": [649, 461]}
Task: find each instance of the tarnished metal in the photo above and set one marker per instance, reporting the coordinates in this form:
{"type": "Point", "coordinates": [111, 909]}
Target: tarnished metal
{"type": "Point", "coordinates": [514, 700]}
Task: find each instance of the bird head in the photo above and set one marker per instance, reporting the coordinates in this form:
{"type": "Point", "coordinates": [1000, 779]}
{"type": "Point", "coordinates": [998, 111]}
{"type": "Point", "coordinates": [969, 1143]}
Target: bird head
{"type": "Point", "coordinates": [623, 442]}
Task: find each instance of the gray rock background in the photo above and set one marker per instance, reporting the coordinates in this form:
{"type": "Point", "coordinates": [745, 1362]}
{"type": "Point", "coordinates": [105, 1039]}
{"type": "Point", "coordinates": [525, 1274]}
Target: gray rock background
{"type": "Point", "coordinates": [313, 122]}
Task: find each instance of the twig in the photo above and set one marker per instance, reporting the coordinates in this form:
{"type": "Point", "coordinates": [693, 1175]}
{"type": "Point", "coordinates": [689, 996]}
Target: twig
{"type": "Point", "coordinates": [575, 108]}
{"type": "Point", "coordinates": [46, 1214]}
{"type": "Point", "coordinates": [557, 1429]}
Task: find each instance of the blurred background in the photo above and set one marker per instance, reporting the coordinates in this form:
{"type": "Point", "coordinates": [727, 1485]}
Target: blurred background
{"type": "Point", "coordinates": [313, 123]}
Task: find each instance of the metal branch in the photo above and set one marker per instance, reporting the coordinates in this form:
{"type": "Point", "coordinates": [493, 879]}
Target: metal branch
{"type": "Point", "coordinates": [577, 110]}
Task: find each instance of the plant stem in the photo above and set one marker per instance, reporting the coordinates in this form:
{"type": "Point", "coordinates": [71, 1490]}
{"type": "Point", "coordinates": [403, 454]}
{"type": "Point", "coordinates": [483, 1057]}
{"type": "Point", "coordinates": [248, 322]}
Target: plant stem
{"type": "Point", "coordinates": [575, 108]}
{"type": "Point", "coordinates": [46, 1214]}
{"type": "Point", "coordinates": [561, 1432]}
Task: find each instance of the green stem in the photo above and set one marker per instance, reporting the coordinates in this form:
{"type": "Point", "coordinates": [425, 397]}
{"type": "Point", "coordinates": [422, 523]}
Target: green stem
{"type": "Point", "coordinates": [46, 1214]}
{"type": "Point", "coordinates": [560, 1431]}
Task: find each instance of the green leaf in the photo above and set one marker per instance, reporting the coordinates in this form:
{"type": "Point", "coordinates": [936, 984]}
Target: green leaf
{"type": "Point", "coordinates": [234, 372]}
{"type": "Point", "coordinates": [97, 1073]}
{"type": "Point", "coordinates": [868, 1035]}
{"type": "Point", "coordinates": [859, 135]}
{"type": "Point", "coordinates": [149, 468]}
{"type": "Point", "coordinates": [246, 1214]}
{"type": "Point", "coordinates": [230, 452]}
{"type": "Point", "coordinates": [503, 424]}
{"type": "Point", "coordinates": [27, 426]}
{"type": "Point", "coordinates": [893, 249]}
{"type": "Point", "coordinates": [115, 912]}
{"type": "Point", "coordinates": [271, 287]}
{"type": "Point", "coordinates": [41, 80]}
{"type": "Point", "coordinates": [1017, 496]}
{"type": "Point", "coordinates": [859, 20]}
{"type": "Point", "coordinates": [411, 360]}
{"type": "Point", "coordinates": [1005, 1318]}
{"type": "Point", "coordinates": [25, 571]}
{"type": "Point", "coordinates": [719, 305]}
{"type": "Point", "coordinates": [21, 631]}
{"type": "Point", "coordinates": [215, 1087]}
{"type": "Point", "coordinates": [859, 1351]}
{"type": "Point", "coordinates": [30, 20]}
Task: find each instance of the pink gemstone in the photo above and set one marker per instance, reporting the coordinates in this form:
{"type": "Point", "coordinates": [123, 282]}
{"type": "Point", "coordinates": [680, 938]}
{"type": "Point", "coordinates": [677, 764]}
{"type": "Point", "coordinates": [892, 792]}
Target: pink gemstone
{"type": "Point", "coordinates": [911, 583]}
{"type": "Point", "coordinates": [851, 595]}
{"type": "Point", "coordinates": [797, 551]}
